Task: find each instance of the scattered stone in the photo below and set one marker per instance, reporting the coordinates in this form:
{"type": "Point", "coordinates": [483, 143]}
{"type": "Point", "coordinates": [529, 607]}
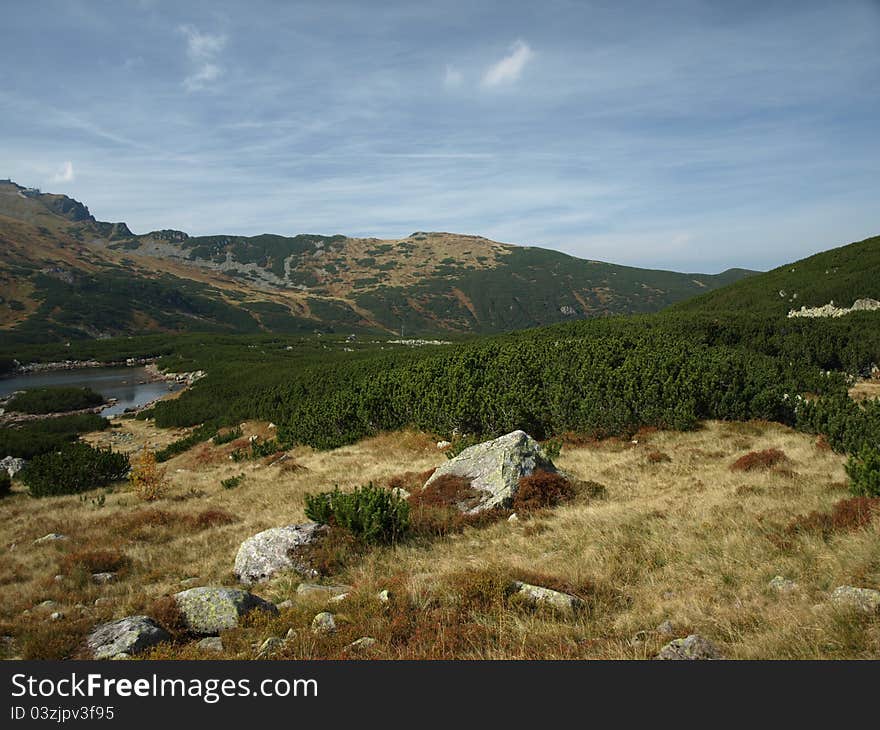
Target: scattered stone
{"type": "Point", "coordinates": [56, 616]}
{"type": "Point", "coordinates": [780, 584]}
{"type": "Point", "coordinates": [513, 518]}
{"type": "Point", "coordinates": [693, 647]}
{"type": "Point", "coordinates": [103, 578]}
{"type": "Point", "coordinates": [186, 582]}
{"type": "Point", "coordinates": [338, 599]}
{"type": "Point", "coordinates": [638, 638]}
{"type": "Point", "coordinates": [121, 657]}
{"type": "Point", "coordinates": [284, 605]}
{"type": "Point", "coordinates": [400, 493]}
{"type": "Point", "coordinates": [58, 578]}
{"type": "Point", "coordinates": [666, 628]}
{"type": "Point", "coordinates": [384, 595]}
{"type": "Point", "coordinates": [103, 601]}
{"type": "Point", "coordinates": [207, 611]}
{"type": "Point", "coordinates": [270, 646]}
{"type": "Point", "coordinates": [128, 636]}
{"type": "Point", "coordinates": [46, 605]}
{"type": "Point", "coordinates": [51, 537]}
{"type": "Point", "coordinates": [316, 589]}
{"type": "Point", "coordinates": [362, 644]}
{"type": "Point", "coordinates": [495, 468]}
{"type": "Point", "coordinates": [279, 548]}
{"type": "Point", "coordinates": [291, 634]}
{"type": "Point", "coordinates": [866, 600]}
{"type": "Point", "coordinates": [12, 465]}
{"type": "Point", "coordinates": [443, 444]}
{"type": "Point", "coordinates": [211, 643]}
{"type": "Point", "coordinates": [324, 623]}
{"type": "Point", "coordinates": [537, 596]}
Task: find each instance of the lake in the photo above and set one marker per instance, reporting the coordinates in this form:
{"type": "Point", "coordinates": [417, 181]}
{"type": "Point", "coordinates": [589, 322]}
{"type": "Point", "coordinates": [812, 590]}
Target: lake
{"type": "Point", "coordinates": [121, 383]}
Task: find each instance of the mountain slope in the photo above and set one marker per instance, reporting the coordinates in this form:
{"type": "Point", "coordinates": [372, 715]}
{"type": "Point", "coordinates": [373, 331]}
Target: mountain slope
{"type": "Point", "coordinates": [64, 274]}
{"type": "Point", "coordinates": [841, 275]}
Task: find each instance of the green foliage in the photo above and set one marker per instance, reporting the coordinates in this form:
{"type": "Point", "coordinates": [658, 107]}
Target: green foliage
{"type": "Point", "coordinates": [459, 444]}
{"type": "Point", "coordinates": [76, 468]}
{"type": "Point", "coordinates": [552, 448]}
{"type": "Point", "coordinates": [232, 482]}
{"type": "Point", "coordinates": [49, 434]}
{"type": "Point", "coordinates": [257, 449]}
{"type": "Point", "coordinates": [848, 426]}
{"type": "Point", "coordinates": [5, 483]}
{"type": "Point", "coordinates": [373, 514]}
{"type": "Point", "coordinates": [864, 471]}
{"type": "Point", "coordinates": [225, 437]}
{"type": "Point", "coordinates": [199, 435]}
{"type": "Point", "coordinates": [54, 400]}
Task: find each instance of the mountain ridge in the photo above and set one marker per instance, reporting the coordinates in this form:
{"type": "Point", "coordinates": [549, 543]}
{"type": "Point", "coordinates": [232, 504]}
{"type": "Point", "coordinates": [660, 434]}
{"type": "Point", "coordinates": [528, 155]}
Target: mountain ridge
{"type": "Point", "coordinates": [65, 274]}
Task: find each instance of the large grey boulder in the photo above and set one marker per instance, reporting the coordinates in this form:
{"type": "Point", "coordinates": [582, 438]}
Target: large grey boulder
{"type": "Point", "coordinates": [208, 611]}
{"type": "Point", "coordinates": [130, 635]}
{"type": "Point", "coordinates": [279, 548]}
{"type": "Point", "coordinates": [866, 600]}
{"type": "Point", "coordinates": [693, 647]}
{"type": "Point", "coordinates": [495, 467]}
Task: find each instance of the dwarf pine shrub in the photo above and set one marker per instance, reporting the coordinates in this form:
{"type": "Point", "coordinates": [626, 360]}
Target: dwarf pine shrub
{"type": "Point", "coordinates": [371, 513]}
{"type": "Point", "coordinates": [864, 472]}
{"type": "Point", "coordinates": [76, 468]}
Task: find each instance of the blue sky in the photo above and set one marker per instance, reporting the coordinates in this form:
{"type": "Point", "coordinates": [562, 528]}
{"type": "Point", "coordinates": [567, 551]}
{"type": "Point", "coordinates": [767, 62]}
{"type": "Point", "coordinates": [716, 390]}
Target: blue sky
{"type": "Point", "coordinates": [682, 135]}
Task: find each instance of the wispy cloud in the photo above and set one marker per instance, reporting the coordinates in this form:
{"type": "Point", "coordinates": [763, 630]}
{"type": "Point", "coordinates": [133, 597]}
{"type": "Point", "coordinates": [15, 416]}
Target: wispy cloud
{"type": "Point", "coordinates": [65, 174]}
{"type": "Point", "coordinates": [452, 77]}
{"type": "Point", "coordinates": [203, 50]}
{"type": "Point", "coordinates": [510, 68]}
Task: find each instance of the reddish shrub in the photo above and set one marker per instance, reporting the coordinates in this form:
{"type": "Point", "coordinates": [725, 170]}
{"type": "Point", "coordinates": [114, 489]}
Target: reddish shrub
{"type": "Point", "coordinates": [165, 612]}
{"type": "Point", "coordinates": [94, 561]}
{"type": "Point", "coordinates": [541, 489]}
{"type": "Point", "coordinates": [658, 457]}
{"type": "Point", "coordinates": [209, 518]}
{"type": "Point", "coordinates": [847, 515]}
{"type": "Point", "coordinates": [410, 480]}
{"type": "Point", "coordinates": [755, 460]}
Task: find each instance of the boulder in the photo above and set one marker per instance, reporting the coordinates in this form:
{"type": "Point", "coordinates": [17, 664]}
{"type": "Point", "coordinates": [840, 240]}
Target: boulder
{"type": "Point", "coordinates": [208, 611]}
{"type": "Point", "coordinates": [781, 584]}
{"type": "Point", "coordinates": [279, 548]}
{"type": "Point", "coordinates": [495, 467]}
{"type": "Point", "coordinates": [866, 600]}
{"type": "Point", "coordinates": [324, 623]}
{"type": "Point", "coordinates": [693, 647]}
{"type": "Point", "coordinates": [128, 636]}
{"type": "Point", "coordinates": [538, 596]}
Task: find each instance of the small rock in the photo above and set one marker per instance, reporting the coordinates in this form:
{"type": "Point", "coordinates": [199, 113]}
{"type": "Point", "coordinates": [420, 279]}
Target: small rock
{"type": "Point", "coordinates": [56, 616]}
{"type": "Point", "coordinates": [781, 584]}
{"type": "Point", "coordinates": [866, 600]}
{"type": "Point", "coordinates": [51, 537]}
{"type": "Point", "coordinates": [270, 646]}
{"type": "Point", "coordinates": [186, 582]}
{"type": "Point", "coordinates": [384, 595]}
{"type": "Point", "coordinates": [324, 591]}
{"type": "Point", "coordinates": [103, 578]}
{"type": "Point", "coordinates": [400, 493]}
{"type": "Point", "coordinates": [443, 444]}
{"type": "Point", "coordinates": [513, 518]}
{"type": "Point", "coordinates": [211, 643]}
{"type": "Point", "coordinates": [207, 611]}
{"type": "Point", "coordinates": [291, 634]}
{"type": "Point", "coordinates": [540, 596]}
{"type": "Point", "coordinates": [46, 605]}
{"type": "Point", "coordinates": [103, 601]}
{"type": "Point", "coordinates": [338, 599]}
{"type": "Point", "coordinates": [284, 605]}
{"type": "Point", "coordinates": [58, 578]}
{"type": "Point", "coordinates": [324, 623]}
{"type": "Point", "coordinates": [666, 628]}
{"type": "Point", "coordinates": [362, 644]}
{"type": "Point", "coordinates": [127, 636]}
{"type": "Point", "coordinates": [638, 638]}
{"type": "Point", "coordinates": [693, 647]}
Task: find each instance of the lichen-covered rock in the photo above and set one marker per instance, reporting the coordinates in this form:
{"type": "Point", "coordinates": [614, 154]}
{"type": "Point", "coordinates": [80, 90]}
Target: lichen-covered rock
{"type": "Point", "coordinates": [538, 596]}
{"type": "Point", "coordinates": [12, 465]}
{"type": "Point", "coordinates": [693, 647]}
{"type": "Point", "coordinates": [279, 548]}
{"type": "Point", "coordinates": [866, 600]}
{"type": "Point", "coordinates": [363, 644]}
{"type": "Point", "coordinates": [208, 611]}
{"type": "Point", "coordinates": [324, 623]}
{"type": "Point", "coordinates": [211, 643]}
{"type": "Point", "coordinates": [130, 635]}
{"type": "Point", "coordinates": [780, 584]}
{"type": "Point", "coordinates": [495, 467]}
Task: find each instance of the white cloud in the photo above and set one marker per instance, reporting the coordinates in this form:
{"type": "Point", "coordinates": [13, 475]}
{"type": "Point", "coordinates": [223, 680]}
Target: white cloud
{"type": "Point", "coordinates": [65, 174]}
{"type": "Point", "coordinates": [203, 50]}
{"type": "Point", "coordinates": [509, 68]}
{"type": "Point", "coordinates": [452, 78]}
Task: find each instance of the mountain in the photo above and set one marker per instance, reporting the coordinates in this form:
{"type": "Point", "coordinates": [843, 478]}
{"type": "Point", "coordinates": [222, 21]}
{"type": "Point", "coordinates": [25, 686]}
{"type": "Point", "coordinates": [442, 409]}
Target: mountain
{"type": "Point", "coordinates": [64, 274]}
{"type": "Point", "coordinates": [840, 276]}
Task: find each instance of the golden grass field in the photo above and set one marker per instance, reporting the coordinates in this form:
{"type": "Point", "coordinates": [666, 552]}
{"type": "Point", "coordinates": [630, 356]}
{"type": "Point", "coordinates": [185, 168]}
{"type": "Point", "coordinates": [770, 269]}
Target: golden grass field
{"type": "Point", "coordinates": [686, 540]}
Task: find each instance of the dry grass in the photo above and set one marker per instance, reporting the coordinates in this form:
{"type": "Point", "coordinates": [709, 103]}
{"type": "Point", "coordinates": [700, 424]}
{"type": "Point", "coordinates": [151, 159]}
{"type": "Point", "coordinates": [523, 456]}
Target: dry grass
{"type": "Point", "coordinates": [691, 542]}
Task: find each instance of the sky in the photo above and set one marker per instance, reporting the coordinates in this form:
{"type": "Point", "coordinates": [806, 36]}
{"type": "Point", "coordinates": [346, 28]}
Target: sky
{"type": "Point", "coordinates": [693, 136]}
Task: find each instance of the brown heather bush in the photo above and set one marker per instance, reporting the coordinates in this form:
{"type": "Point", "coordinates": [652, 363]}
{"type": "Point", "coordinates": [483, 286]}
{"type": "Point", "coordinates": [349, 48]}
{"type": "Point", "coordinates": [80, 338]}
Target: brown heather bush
{"type": "Point", "coordinates": [410, 480]}
{"type": "Point", "coordinates": [847, 515]}
{"type": "Point", "coordinates": [209, 518]}
{"type": "Point", "coordinates": [94, 561]}
{"type": "Point", "coordinates": [165, 612]}
{"type": "Point", "coordinates": [336, 550]}
{"type": "Point", "coordinates": [152, 523]}
{"type": "Point", "coordinates": [756, 460]}
{"type": "Point", "coordinates": [52, 640]}
{"type": "Point", "coordinates": [540, 490]}
{"type": "Point", "coordinates": [658, 457]}
{"type": "Point", "coordinates": [434, 511]}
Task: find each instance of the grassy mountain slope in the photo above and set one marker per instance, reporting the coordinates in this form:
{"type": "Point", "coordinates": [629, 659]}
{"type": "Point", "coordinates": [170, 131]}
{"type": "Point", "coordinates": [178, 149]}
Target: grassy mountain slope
{"type": "Point", "coordinates": [63, 274]}
{"type": "Point", "coordinates": [841, 275]}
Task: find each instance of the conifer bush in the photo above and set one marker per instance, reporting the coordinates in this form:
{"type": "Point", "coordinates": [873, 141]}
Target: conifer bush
{"type": "Point", "coordinates": [864, 471]}
{"type": "Point", "coordinates": [371, 513]}
{"type": "Point", "coordinates": [76, 468]}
